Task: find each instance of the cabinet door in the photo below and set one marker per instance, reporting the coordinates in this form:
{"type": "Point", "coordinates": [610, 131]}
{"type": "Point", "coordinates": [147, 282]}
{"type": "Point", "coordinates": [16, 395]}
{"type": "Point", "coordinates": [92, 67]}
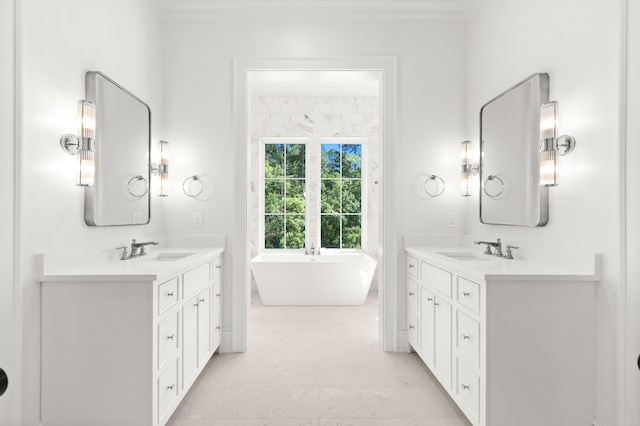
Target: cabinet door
{"type": "Point", "coordinates": [427, 326]}
{"type": "Point", "coordinates": [443, 341]}
{"type": "Point", "coordinates": [189, 340]}
{"type": "Point", "coordinates": [204, 326]}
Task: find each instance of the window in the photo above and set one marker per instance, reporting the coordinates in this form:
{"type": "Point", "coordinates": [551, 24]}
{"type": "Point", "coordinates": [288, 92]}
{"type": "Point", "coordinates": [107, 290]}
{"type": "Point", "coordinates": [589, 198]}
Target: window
{"type": "Point", "coordinates": [284, 195]}
{"type": "Point", "coordinates": [332, 216]}
{"type": "Point", "coordinates": [341, 196]}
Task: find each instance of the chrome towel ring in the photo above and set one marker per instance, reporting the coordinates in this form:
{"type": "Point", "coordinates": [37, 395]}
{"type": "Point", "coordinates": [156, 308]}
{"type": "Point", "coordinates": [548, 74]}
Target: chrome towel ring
{"type": "Point", "coordinates": [188, 190]}
{"type": "Point", "coordinates": [434, 192]}
{"type": "Point", "coordinates": [492, 178]}
{"type": "Point", "coordinates": [138, 178]}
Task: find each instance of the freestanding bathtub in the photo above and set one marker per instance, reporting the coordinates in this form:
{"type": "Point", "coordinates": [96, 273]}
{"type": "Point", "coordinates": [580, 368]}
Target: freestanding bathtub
{"type": "Point", "coordinates": [298, 279]}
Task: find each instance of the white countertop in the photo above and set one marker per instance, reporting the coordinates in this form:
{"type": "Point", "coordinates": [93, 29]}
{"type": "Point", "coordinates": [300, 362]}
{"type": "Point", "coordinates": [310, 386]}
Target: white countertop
{"type": "Point", "coordinates": [144, 268]}
{"type": "Point", "coordinates": [563, 267]}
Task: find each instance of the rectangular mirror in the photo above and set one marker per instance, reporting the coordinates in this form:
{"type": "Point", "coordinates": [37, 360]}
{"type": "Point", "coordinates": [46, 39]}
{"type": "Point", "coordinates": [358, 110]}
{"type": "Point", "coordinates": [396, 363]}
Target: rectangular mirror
{"type": "Point", "coordinates": [510, 192]}
{"type": "Point", "coordinates": [120, 195]}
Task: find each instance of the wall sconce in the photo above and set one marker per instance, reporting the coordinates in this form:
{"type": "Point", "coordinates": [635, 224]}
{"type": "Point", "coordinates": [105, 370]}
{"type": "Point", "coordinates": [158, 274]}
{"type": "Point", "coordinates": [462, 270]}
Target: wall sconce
{"type": "Point", "coordinates": [468, 168]}
{"type": "Point", "coordinates": [163, 169]}
{"type": "Point", "coordinates": [550, 145]}
{"type": "Point", "coordinates": [83, 145]}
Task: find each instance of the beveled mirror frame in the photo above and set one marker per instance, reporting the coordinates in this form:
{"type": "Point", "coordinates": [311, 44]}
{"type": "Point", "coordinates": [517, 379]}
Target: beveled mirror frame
{"type": "Point", "coordinates": [509, 155]}
{"type": "Point", "coordinates": [111, 202]}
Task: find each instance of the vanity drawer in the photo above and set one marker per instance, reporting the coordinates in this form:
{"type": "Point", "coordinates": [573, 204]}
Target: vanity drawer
{"type": "Point", "coordinates": [468, 338]}
{"type": "Point", "coordinates": [167, 390]}
{"type": "Point", "coordinates": [412, 267]}
{"type": "Point", "coordinates": [216, 267]}
{"type": "Point", "coordinates": [194, 279]}
{"type": "Point", "coordinates": [469, 294]}
{"type": "Point", "coordinates": [468, 389]}
{"type": "Point", "coordinates": [167, 295]}
{"type": "Point", "coordinates": [412, 296]}
{"type": "Point", "coordinates": [436, 278]}
{"type": "Point", "coordinates": [168, 341]}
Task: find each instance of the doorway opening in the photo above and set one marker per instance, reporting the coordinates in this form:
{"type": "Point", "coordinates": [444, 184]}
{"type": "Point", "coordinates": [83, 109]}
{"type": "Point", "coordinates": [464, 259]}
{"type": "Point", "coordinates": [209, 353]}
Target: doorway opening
{"type": "Point", "coordinates": [316, 100]}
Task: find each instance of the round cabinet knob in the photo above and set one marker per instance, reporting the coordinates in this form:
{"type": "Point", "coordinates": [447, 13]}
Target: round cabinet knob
{"type": "Point", "coordinates": [436, 304]}
{"type": "Point", "coordinates": [171, 294]}
{"type": "Point", "coordinates": [202, 300]}
{"type": "Point", "coordinates": [218, 266]}
{"type": "Point", "coordinates": [170, 337]}
{"type": "Point", "coordinates": [465, 294]}
{"type": "Point", "coordinates": [217, 294]}
{"type": "Point", "coordinates": [411, 327]}
{"type": "Point", "coordinates": [218, 328]}
{"type": "Point", "coordinates": [466, 337]}
{"type": "Point", "coordinates": [465, 387]}
{"type": "Point", "coordinates": [411, 265]}
{"type": "Point", "coordinates": [170, 387]}
{"type": "Point", "coordinates": [411, 294]}
{"type": "Point", "coordinates": [429, 299]}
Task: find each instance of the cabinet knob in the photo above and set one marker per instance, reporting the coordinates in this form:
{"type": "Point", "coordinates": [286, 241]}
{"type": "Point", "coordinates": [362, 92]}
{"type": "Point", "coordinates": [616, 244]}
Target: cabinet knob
{"type": "Point", "coordinates": [429, 299]}
{"type": "Point", "coordinates": [466, 337]}
{"type": "Point", "coordinates": [411, 265]}
{"type": "Point", "coordinates": [202, 300]}
{"type": "Point", "coordinates": [170, 387]}
{"type": "Point", "coordinates": [218, 266]}
{"type": "Point", "coordinates": [171, 294]}
{"type": "Point", "coordinates": [465, 294]}
{"type": "Point", "coordinates": [196, 304]}
{"type": "Point", "coordinates": [411, 327]}
{"type": "Point", "coordinates": [170, 337]}
{"type": "Point", "coordinates": [218, 327]}
{"type": "Point", "coordinates": [217, 294]}
{"type": "Point", "coordinates": [436, 304]}
{"type": "Point", "coordinates": [465, 387]}
{"type": "Point", "coordinates": [411, 293]}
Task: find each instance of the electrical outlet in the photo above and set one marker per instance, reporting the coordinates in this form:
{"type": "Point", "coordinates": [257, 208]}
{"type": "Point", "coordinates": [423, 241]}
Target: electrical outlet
{"type": "Point", "coordinates": [197, 219]}
{"type": "Point", "coordinates": [453, 220]}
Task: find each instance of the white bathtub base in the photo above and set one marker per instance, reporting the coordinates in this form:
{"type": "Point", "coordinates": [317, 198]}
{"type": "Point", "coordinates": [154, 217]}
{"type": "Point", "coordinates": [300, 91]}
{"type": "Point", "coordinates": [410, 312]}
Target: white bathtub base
{"type": "Point", "coordinates": [299, 280]}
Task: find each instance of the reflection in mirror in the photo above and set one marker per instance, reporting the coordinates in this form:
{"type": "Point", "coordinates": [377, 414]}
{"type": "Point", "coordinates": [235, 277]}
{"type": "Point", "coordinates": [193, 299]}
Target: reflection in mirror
{"type": "Point", "coordinates": [509, 162]}
{"type": "Point", "coordinates": [120, 195]}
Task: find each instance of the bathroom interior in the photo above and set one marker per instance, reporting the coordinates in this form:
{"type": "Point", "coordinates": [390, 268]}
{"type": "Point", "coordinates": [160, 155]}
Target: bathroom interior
{"type": "Point", "coordinates": [434, 64]}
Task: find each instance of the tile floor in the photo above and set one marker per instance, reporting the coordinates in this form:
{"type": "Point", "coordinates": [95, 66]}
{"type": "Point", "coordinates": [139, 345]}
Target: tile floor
{"type": "Point", "coordinates": [316, 366]}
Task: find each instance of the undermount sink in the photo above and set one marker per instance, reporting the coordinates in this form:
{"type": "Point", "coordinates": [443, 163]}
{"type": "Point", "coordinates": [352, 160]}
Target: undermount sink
{"type": "Point", "coordinates": [169, 257]}
{"type": "Point", "coordinates": [466, 256]}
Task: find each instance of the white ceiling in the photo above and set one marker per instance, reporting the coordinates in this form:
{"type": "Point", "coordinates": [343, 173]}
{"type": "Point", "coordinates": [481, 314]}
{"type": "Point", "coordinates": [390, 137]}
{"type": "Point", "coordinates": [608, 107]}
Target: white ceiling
{"type": "Point", "coordinates": [334, 8]}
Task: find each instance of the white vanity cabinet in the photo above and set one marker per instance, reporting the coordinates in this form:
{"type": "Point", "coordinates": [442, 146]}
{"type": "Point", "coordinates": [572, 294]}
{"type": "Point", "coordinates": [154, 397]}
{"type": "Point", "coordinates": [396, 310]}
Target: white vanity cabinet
{"type": "Point", "coordinates": [123, 348]}
{"type": "Point", "coordinates": [513, 344]}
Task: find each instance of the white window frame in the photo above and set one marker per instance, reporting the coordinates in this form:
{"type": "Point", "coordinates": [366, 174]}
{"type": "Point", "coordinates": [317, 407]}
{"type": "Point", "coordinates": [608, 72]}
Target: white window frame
{"type": "Point", "coordinates": [261, 188]}
{"type": "Point", "coordinates": [312, 178]}
{"type": "Point", "coordinates": [362, 141]}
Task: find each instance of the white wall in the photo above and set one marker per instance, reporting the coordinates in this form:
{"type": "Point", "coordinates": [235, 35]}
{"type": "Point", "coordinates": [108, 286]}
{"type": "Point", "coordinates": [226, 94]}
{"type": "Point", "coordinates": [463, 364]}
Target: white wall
{"type": "Point", "coordinates": [7, 257]}
{"type": "Point", "coordinates": [199, 56]}
{"type": "Point", "coordinates": [577, 43]}
{"type": "Point", "coordinates": [630, 347]}
{"type": "Point", "coordinates": [61, 41]}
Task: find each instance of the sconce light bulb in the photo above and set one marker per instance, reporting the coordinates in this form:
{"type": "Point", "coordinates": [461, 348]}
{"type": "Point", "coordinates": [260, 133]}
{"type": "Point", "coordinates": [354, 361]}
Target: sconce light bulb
{"type": "Point", "coordinates": [87, 117]}
{"type": "Point", "coordinates": [549, 168]}
{"type": "Point", "coordinates": [465, 152]}
{"type": "Point", "coordinates": [87, 167]}
{"type": "Point", "coordinates": [548, 120]}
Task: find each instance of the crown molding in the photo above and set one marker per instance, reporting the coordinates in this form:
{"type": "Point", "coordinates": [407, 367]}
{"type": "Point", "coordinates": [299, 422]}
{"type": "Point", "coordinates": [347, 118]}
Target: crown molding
{"type": "Point", "coordinates": [325, 8]}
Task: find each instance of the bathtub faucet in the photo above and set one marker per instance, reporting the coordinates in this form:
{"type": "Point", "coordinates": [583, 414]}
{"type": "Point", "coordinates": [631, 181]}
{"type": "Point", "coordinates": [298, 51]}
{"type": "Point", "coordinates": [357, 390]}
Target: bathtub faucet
{"type": "Point", "coordinates": [312, 251]}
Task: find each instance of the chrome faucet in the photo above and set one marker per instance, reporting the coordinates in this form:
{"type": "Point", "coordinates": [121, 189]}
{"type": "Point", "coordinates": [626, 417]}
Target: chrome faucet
{"type": "Point", "coordinates": [497, 246]}
{"type": "Point", "coordinates": [137, 249]}
{"type": "Point", "coordinates": [312, 251]}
